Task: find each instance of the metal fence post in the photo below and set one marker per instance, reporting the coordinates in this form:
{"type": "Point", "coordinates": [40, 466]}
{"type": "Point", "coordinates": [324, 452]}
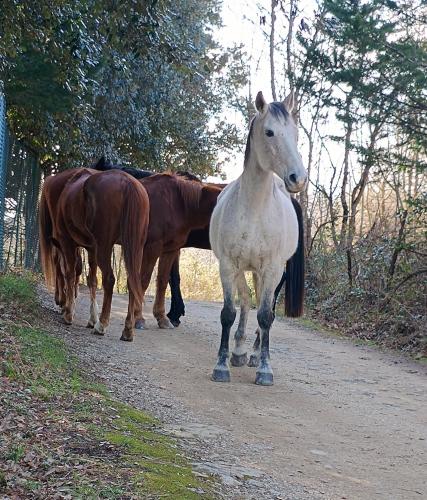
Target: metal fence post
{"type": "Point", "coordinates": [3, 170]}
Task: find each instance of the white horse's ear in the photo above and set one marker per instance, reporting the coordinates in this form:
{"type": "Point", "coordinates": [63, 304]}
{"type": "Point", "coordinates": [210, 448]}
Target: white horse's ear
{"type": "Point", "coordinates": [260, 102]}
{"type": "Point", "coordinates": [290, 103]}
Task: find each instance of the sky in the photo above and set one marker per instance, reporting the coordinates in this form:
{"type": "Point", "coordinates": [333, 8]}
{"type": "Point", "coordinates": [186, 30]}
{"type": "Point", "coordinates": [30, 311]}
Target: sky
{"type": "Point", "coordinates": [241, 25]}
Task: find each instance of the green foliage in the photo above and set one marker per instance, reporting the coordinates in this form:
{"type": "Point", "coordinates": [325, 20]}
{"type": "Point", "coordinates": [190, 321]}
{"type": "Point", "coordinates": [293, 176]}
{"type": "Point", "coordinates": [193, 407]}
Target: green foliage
{"type": "Point", "coordinates": [138, 81]}
{"type": "Point", "coordinates": [374, 59]}
{"type": "Point", "coordinates": [372, 308]}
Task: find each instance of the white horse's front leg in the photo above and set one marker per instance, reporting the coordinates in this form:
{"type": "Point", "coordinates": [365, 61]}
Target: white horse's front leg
{"type": "Point", "coordinates": [265, 316]}
{"type": "Point", "coordinates": [239, 355]}
{"type": "Point", "coordinates": [221, 372]}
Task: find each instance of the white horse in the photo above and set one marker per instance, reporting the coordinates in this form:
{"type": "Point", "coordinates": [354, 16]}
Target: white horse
{"type": "Point", "coordinates": [254, 227]}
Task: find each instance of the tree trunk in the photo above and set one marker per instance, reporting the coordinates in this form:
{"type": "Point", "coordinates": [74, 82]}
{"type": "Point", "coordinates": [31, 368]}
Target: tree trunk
{"type": "Point", "coordinates": [272, 68]}
{"type": "Point", "coordinates": [289, 70]}
{"type": "Point", "coordinates": [346, 168]}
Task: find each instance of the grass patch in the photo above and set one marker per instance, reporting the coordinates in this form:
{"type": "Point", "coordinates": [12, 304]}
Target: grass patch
{"type": "Point", "coordinates": [68, 434]}
{"type": "Point", "coordinates": [18, 288]}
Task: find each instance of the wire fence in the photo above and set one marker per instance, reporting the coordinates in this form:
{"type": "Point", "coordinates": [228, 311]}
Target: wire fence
{"type": "Point", "coordinates": [20, 183]}
{"type": "Point", "coordinates": [20, 187]}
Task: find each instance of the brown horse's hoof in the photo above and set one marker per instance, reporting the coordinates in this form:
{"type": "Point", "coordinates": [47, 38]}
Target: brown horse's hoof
{"type": "Point", "coordinates": [126, 339]}
{"type": "Point", "coordinates": [99, 329]}
{"type": "Point", "coordinates": [164, 323]}
{"type": "Point", "coordinates": [96, 332]}
{"type": "Point", "coordinates": [67, 318]}
{"type": "Point", "coordinates": [127, 334]}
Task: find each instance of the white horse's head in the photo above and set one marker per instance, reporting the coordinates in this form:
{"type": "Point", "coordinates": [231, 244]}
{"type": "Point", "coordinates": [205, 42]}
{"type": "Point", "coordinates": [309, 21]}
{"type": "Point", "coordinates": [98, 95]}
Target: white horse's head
{"type": "Point", "coordinates": [274, 136]}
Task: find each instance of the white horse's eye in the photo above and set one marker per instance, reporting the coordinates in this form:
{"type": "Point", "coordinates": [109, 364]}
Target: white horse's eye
{"type": "Point", "coordinates": [269, 133]}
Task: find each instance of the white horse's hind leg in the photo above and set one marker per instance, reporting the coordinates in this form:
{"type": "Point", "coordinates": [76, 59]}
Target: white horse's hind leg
{"type": "Point", "coordinates": [221, 372]}
{"type": "Point", "coordinates": [239, 355]}
{"type": "Point", "coordinates": [254, 359]}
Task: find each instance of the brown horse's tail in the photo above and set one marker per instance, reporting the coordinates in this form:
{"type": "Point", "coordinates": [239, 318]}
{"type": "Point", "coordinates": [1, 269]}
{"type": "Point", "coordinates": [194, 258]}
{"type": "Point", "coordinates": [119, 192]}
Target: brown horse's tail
{"type": "Point", "coordinates": [295, 272]}
{"type": "Point", "coordinates": [46, 241]}
{"type": "Point", "coordinates": [134, 226]}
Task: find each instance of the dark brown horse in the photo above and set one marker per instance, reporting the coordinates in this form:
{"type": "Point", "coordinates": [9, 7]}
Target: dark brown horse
{"type": "Point", "coordinates": [177, 207]}
{"type": "Point", "coordinates": [83, 208]}
{"type": "Point", "coordinates": [293, 276]}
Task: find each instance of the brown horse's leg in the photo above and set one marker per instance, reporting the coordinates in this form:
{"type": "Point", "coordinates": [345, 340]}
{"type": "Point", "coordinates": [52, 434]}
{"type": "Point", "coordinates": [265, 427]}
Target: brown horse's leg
{"type": "Point", "coordinates": [148, 263]}
{"type": "Point", "coordinates": [69, 276]}
{"type": "Point", "coordinates": [92, 283]}
{"type": "Point", "coordinates": [108, 280]}
{"type": "Point", "coordinates": [59, 284]}
{"type": "Point", "coordinates": [163, 273]}
{"type": "Point", "coordinates": [129, 331]}
{"type": "Point", "coordinates": [79, 271]}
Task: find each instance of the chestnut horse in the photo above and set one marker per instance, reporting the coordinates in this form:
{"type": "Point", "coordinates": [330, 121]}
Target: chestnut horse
{"type": "Point", "coordinates": [74, 210]}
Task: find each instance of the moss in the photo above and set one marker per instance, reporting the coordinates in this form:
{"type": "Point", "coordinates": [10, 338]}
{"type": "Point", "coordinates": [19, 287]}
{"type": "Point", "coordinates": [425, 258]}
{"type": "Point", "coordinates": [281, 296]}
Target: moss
{"type": "Point", "coordinates": [89, 491]}
{"type": "Point", "coordinates": [173, 481]}
{"type": "Point", "coordinates": [165, 471]}
{"type": "Point", "coordinates": [150, 461]}
{"type": "Point", "coordinates": [129, 415]}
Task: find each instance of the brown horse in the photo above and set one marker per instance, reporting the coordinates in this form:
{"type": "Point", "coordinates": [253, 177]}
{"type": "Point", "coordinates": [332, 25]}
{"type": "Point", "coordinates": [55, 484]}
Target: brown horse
{"type": "Point", "coordinates": [177, 206]}
{"type": "Point", "coordinates": [93, 210]}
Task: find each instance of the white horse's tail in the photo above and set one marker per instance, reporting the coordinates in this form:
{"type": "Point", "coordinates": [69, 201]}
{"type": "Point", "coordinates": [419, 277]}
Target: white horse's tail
{"type": "Point", "coordinates": [295, 272]}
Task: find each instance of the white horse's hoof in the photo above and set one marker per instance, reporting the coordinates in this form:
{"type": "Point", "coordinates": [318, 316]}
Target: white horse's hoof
{"type": "Point", "coordinates": [238, 359]}
{"type": "Point", "coordinates": [220, 375]}
{"type": "Point", "coordinates": [264, 378]}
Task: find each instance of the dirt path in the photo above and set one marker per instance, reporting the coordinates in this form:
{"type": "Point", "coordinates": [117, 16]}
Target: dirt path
{"type": "Point", "coordinates": [341, 421]}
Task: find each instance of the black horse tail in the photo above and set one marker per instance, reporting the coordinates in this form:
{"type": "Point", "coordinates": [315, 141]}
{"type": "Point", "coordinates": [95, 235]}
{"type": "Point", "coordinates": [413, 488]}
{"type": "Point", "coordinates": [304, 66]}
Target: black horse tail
{"type": "Point", "coordinates": [103, 164]}
{"type": "Point", "coordinates": [295, 272]}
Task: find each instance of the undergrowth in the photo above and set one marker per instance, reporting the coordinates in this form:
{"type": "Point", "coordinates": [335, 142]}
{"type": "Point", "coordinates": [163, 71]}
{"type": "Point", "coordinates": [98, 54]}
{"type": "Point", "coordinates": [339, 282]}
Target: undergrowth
{"type": "Point", "coordinates": [64, 436]}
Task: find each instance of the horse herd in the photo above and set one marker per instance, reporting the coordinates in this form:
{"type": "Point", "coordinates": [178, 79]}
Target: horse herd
{"type": "Point", "coordinates": [251, 224]}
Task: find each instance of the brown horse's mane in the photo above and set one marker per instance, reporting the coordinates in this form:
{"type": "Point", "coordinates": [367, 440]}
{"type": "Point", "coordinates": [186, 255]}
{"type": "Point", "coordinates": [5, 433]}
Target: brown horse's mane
{"type": "Point", "coordinates": [190, 190]}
